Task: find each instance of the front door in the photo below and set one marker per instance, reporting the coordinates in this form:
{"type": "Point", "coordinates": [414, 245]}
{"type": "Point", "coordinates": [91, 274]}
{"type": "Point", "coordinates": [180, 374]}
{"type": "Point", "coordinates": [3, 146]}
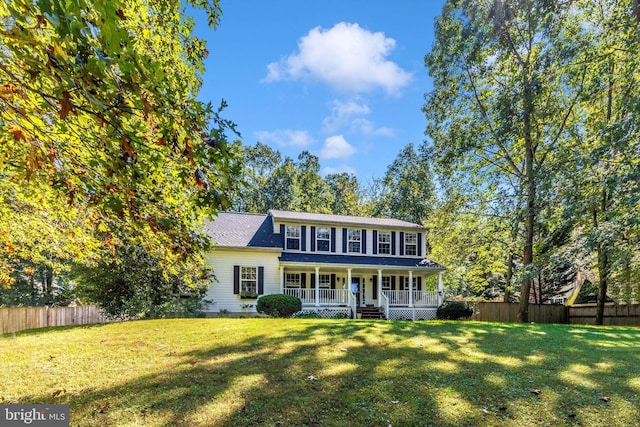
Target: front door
{"type": "Point", "coordinates": [360, 294]}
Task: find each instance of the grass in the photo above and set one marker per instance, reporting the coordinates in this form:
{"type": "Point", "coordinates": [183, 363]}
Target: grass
{"type": "Point", "coordinates": [311, 372]}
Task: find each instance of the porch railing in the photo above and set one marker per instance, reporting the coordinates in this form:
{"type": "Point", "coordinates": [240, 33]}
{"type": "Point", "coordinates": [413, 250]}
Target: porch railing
{"type": "Point", "coordinates": [325, 296]}
{"type": "Point", "coordinates": [420, 298]}
{"type": "Point", "coordinates": [384, 304]}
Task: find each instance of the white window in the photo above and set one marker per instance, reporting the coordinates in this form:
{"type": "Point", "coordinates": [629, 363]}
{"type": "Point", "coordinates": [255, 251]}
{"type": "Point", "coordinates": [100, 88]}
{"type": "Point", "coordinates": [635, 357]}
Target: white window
{"type": "Point", "coordinates": [293, 237]}
{"type": "Point", "coordinates": [292, 280]}
{"type": "Point", "coordinates": [410, 243]}
{"type": "Point", "coordinates": [384, 242]}
{"type": "Point", "coordinates": [325, 280]}
{"type": "Point", "coordinates": [248, 279]}
{"type": "Point", "coordinates": [323, 239]}
{"type": "Point", "coordinates": [386, 283]}
{"type": "Point", "coordinates": [353, 237]}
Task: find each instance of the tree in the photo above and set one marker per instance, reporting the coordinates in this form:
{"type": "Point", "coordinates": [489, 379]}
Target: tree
{"type": "Point", "coordinates": [347, 195]}
{"type": "Point", "coordinates": [606, 180]}
{"type": "Point", "coordinates": [407, 189]}
{"type": "Point", "coordinates": [261, 162]}
{"type": "Point", "coordinates": [102, 134]}
{"type": "Point", "coordinates": [134, 284]}
{"type": "Point", "coordinates": [500, 105]}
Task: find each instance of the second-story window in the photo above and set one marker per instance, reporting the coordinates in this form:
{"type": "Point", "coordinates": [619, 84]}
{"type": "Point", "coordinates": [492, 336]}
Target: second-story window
{"type": "Point", "coordinates": [410, 243]}
{"type": "Point", "coordinates": [353, 240]}
{"type": "Point", "coordinates": [384, 242]}
{"type": "Point", "coordinates": [323, 239]}
{"type": "Point", "coordinates": [293, 237]}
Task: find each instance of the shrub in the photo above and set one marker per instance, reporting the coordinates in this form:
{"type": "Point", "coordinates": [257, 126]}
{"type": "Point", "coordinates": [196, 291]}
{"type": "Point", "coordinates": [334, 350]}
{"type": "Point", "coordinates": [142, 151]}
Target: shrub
{"type": "Point", "coordinates": [307, 315]}
{"type": "Point", "coordinates": [454, 310]}
{"type": "Point", "coordinates": [279, 305]}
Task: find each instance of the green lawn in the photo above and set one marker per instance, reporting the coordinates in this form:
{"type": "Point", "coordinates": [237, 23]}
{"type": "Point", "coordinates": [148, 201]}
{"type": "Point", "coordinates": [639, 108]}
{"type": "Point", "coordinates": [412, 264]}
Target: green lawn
{"type": "Point", "coordinates": [308, 372]}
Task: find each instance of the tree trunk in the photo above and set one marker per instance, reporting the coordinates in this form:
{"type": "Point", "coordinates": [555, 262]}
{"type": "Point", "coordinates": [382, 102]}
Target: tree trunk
{"type": "Point", "coordinates": [527, 259]}
{"type": "Point", "coordinates": [603, 265]}
{"type": "Point", "coordinates": [507, 288]}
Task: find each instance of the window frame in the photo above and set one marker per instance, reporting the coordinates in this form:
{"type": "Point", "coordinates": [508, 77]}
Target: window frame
{"type": "Point", "coordinates": [325, 240]}
{"type": "Point", "coordinates": [246, 279]}
{"type": "Point", "coordinates": [352, 233]}
{"type": "Point", "coordinates": [324, 284]}
{"type": "Point", "coordinates": [407, 244]}
{"type": "Point", "coordinates": [387, 286]}
{"type": "Point", "coordinates": [293, 237]}
{"type": "Point", "coordinates": [290, 281]}
{"type": "Point", "coordinates": [386, 251]}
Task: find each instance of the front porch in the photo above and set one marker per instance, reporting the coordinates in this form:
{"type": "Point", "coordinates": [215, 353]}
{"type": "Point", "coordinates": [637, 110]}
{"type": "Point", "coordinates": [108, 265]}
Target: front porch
{"type": "Point", "coordinates": [396, 293]}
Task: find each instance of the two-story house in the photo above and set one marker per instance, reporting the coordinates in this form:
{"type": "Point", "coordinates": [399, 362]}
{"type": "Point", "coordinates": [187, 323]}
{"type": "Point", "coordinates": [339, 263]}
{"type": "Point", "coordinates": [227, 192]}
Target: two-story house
{"type": "Point", "coordinates": [335, 264]}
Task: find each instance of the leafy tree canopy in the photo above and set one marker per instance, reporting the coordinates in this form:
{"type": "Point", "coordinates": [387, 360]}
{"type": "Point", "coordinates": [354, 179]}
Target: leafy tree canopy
{"type": "Point", "coordinates": [102, 139]}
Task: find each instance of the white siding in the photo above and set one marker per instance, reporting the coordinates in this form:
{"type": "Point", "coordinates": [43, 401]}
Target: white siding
{"type": "Point", "coordinates": [221, 289]}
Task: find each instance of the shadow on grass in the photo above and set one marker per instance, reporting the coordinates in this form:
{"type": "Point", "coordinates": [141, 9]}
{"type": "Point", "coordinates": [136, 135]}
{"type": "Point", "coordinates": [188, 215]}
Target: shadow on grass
{"type": "Point", "coordinates": [367, 373]}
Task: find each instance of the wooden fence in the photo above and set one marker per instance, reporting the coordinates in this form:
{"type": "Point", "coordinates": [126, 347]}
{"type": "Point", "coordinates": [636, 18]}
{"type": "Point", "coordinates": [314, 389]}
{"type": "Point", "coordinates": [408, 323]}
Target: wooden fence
{"type": "Point", "coordinates": [508, 312]}
{"type": "Point", "coordinates": [621, 315]}
{"type": "Point", "coordinates": [583, 314]}
{"type": "Point", "coordinates": [16, 319]}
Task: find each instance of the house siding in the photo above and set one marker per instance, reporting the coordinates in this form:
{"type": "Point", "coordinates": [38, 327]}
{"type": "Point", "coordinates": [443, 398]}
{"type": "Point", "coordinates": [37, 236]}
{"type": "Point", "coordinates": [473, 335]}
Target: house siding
{"type": "Point", "coordinates": [222, 262]}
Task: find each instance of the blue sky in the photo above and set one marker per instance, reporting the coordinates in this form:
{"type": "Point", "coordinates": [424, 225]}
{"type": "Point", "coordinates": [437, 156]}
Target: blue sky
{"type": "Point", "coordinates": [344, 79]}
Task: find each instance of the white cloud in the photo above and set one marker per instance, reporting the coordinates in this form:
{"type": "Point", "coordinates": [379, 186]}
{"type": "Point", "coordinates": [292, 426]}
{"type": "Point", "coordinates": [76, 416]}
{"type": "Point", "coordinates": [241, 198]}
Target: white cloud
{"type": "Point", "coordinates": [338, 169]}
{"type": "Point", "coordinates": [367, 127]}
{"type": "Point", "coordinates": [286, 137]}
{"type": "Point", "coordinates": [346, 57]}
{"type": "Point", "coordinates": [336, 147]}
{"type": "Point", "coordinates": [349, 115]}
{"type": "Point", "coordinates": [342, 113]}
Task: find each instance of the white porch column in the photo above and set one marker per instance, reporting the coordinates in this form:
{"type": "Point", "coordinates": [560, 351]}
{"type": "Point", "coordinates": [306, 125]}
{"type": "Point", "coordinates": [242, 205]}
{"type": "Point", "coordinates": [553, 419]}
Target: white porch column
{"type": "Point", "coordinates": [410, 288]}
{"type": "Point", "coordinates": [282, 280]}
{"type": "Point", "coordinates": [440, 290]}
{"type": "Point", "coordinates": [379, 288]}
{"type": "Point", "coordinates": [349, 288]}
{"type": "Point", "coordinates": [317, 286]}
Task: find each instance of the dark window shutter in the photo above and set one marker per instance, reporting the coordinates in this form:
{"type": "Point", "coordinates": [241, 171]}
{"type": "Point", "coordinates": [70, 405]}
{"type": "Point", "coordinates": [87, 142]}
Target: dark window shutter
{"type": "Point", "coordinates": [283, 235]}
{"type": "Point", "coordinates": [419, 283]}
{"type": "Point", "coordinates": [393, 283]}
{"type": "Point", "coordinates": [363, 243]}
{"type": "Point", "coordinates": [401, 243]}
{"type": "Point", "coordinates": [313, 239]}
{"type": "Point", "coordinates": [303, 235]}
{"type": "Point", "coordinates": [303, 280]}
{"type": "Point", "coordinates": [419, 244]}
{"type": "Point", "coordinates": [333, 281]}
{"type": "Point", "coordinates": [236, 279]}
{"type": "Point", "coordinates": [344, 240]}
{"type": "Point", "coordinates": [313, 280]}
{"type": "Point", "coordinates": [260, 280]}
{"type": "Point", "coordinates": [375, 287]}
{"type": "Point", "coordinates": [333, 239]}
{"type": "Point", "coordinates": [375, 242]}
{"type": "Point", "coordinates": [393, 243]}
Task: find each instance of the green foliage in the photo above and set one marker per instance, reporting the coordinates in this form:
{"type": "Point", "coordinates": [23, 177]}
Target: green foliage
{"type": "Point", "coordinates": [407, 190]}
{"type": "Point", "coordinates": [134, 284]}
{"type": "Point", "coordinates": [454, 310]}
{"type": "Point", "coordinates": [102, 135]}
{"type": "Point", "coordinates": [307, 315]}
{"type": "Point", "coordinates": [279, 305]}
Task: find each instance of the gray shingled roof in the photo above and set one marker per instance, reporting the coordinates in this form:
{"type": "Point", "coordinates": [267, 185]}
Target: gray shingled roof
{"type": "Point", "coordinates": [341, 219]}
{"type": "Point", "coordinates": [243, 230]}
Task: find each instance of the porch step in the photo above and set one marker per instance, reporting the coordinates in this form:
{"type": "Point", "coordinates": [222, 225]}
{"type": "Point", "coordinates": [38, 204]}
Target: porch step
{"type": "Point", "coordinates": [370, 312]}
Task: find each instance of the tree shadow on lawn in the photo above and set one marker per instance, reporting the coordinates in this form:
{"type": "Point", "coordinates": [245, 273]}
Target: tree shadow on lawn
{"type": "Point", "coordinates": [378, 373]}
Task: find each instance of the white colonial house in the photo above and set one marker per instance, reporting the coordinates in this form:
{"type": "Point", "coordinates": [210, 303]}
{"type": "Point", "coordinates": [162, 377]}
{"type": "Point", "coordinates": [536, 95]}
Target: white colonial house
{"type": "Point", "coordinates": [335, 264]}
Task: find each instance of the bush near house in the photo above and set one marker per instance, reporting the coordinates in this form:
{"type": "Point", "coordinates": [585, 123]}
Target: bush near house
{"type": "Point", "coordinates": [279, 305]}
{"type": "Point", "coordinates": [454, 310]}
